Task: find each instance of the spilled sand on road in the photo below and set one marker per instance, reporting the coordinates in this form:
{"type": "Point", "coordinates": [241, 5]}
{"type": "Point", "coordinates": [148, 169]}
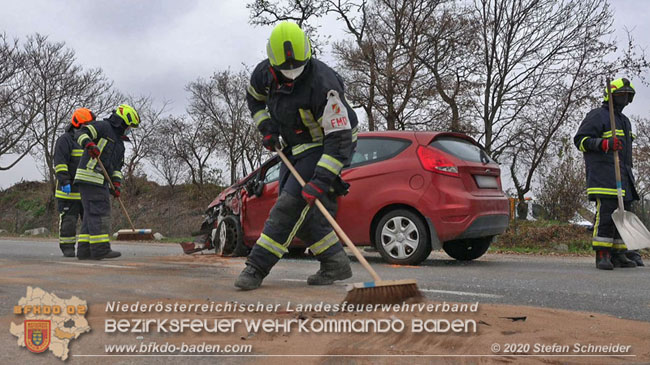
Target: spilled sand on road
{"type": "Point", "coordinates": [495, 323]}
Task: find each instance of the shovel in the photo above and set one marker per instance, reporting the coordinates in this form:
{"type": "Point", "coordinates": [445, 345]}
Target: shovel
{"type": "Point", "coordinates": [629, 226]}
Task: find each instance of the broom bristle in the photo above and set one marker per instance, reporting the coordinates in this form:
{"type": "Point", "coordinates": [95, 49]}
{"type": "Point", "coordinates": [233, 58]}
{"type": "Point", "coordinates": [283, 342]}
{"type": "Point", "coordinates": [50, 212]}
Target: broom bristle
{"type": "Point", "coordinates": [383, 292]}
{"type": "Point", "coordinates": [122, 236]}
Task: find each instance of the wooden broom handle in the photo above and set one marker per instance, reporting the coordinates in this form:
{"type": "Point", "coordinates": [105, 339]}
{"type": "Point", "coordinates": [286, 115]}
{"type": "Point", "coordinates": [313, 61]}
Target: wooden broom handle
{"type": "Point", "coordinates": [330, 219]}
{"type": "Point", "coordinates": [617, 163]}
{"type": "Point", "coordinates": [108, 178]}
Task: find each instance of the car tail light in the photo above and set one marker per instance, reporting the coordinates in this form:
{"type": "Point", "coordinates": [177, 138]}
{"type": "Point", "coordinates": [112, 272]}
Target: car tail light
{"type": "Point", "coordinates": [435, 161]}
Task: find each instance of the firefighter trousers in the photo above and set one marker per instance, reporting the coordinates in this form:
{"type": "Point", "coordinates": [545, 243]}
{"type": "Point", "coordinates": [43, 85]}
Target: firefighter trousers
{"type": "Point", "coordinates": [605, 236]}
{"type": "Point", "coordinates": [292, 217]}
{"type": "Point", "coordinates": [70, 211]}
{"type": "Point", "coordinates": [94, 240]}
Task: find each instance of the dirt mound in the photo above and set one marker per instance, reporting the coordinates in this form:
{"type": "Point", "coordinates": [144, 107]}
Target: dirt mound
{"type": "Point", "coordinates": [173, 212]}
{"type": "Point", "coordinates": [27, 205]}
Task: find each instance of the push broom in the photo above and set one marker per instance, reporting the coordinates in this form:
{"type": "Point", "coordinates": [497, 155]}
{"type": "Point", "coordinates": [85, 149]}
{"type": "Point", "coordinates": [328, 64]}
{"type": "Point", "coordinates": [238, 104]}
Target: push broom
{"type": "Point", "coordinates": [127, 234]}
{"type": "Point", "coordinates": [371, 292]}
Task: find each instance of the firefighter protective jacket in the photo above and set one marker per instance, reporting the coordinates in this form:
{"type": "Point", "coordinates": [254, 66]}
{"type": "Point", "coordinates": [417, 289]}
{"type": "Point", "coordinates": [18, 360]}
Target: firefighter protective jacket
{"type": "Point", "coordinates": [107, 135]}
{"type": "Point", "coordinates": [294, 110]}
{"type": "Point", "coordinates": [601, 178]}
{"type": "Point", "coordinates": [67, 154]}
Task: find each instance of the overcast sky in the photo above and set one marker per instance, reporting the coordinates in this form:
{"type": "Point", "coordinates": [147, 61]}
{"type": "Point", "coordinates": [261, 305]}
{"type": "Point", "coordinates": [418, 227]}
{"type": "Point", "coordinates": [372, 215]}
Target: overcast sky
{"type": "Point", "coordinates": [156, 47]}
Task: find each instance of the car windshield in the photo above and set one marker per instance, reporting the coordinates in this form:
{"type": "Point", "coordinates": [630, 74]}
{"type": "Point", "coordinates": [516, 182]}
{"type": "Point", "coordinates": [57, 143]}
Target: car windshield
{"type": "Point", "coordinates": [272, 174]}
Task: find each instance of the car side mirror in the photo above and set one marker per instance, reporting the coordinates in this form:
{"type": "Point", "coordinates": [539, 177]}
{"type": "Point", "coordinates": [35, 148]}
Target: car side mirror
{"type": "Point", "coordinates": [258, 188]}
{"type": "Point", "coordinates": [254, 187]}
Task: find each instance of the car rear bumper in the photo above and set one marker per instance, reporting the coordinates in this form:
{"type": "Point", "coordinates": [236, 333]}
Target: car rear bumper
{"type": "Point", "coordinates": [486, 225]}
{"type": "Point", "coordinates": [457, 214]}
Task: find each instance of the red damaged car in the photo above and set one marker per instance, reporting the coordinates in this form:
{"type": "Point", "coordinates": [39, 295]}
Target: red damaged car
{"type": "Point", "coordinates": [410, 193]}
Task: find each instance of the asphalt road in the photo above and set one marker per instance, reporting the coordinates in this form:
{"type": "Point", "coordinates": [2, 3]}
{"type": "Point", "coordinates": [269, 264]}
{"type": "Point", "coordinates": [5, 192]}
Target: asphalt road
{"type": "Point", "coordinates": [160, 271]}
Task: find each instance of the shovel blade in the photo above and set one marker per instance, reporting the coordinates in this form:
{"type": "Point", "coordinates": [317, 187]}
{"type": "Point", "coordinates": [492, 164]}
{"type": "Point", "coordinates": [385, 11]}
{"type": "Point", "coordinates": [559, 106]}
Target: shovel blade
{"type": "Point", "coordinates": [633, 232]}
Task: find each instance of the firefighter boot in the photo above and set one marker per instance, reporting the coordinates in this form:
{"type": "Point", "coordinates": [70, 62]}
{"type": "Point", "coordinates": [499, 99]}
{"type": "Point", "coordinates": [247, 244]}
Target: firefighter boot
{"type": "Point", "coordinates": [83, 250]}
{"type": "Point", "coordinates": [334, 267]}
{"type": "Point", "coordinates": [635, 256]}
{"type": "Point", "coordinates": [102, 250]}
{"type": "Point", "coordinates": [620, 260]}
{"type": "Point", "coordinates": [108, 255]}
{"type": "Point", "coordinates": [250, 278]}
{"type": "Point", "coordinates": [68, 250]}
{"type": "Point", "coordinates": [604, 260]}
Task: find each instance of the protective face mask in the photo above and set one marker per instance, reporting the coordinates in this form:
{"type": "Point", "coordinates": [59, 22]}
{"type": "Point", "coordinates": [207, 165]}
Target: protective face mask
{"type": "Point", "coordinates": [293, 73]}
{"type": "Point", "coordinates": [621, 100]}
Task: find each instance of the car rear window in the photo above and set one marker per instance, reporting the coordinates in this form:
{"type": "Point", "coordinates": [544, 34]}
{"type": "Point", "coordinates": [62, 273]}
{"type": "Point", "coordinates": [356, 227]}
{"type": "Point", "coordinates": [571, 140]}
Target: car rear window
{"type": "Point", "coordinates": [377, 149]}
{"type": "Point", "coordinates": [462, 149]}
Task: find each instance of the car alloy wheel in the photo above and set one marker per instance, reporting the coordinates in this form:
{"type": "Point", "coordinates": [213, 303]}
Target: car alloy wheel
{"type": "Point", "coordinates": [401, 238]}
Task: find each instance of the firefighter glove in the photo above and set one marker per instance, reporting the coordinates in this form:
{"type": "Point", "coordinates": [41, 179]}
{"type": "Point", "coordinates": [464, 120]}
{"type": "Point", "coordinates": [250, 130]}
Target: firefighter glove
{"type": "Point", "coordinates": [611, 144]}
{"type": "Point", "coordinates": [311, 192]}
{"type": "Point", "coordinates": [93, 150]}
{"type": "Point", "coordinates": [116, 189]}
{"type": "Point", "coordinates": [271, 141]}
{"type": "Point", "coordinates": [66, 188]}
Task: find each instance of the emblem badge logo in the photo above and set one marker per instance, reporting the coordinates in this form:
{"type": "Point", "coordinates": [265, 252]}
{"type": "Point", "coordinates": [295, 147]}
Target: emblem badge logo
{"type": "Point", "coordinates": [37, 335]}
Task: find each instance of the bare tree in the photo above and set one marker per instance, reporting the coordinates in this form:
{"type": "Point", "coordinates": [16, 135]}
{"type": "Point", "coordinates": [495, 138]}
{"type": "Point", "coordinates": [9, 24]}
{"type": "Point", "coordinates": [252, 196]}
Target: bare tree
{"type": "Point", "coordinates": [561, 195]}
{"type": "Point", "coordinates": [164, 159]}
{"type": "Point", "coordinates": [449, 52]}
{"type": "Point", "coordinates": [12, 127]}
{"type": "Point", "coordinates": [380, 62]}
{"type": "Point", "coordinates": [542, 62]}
{"type": "Point", "coordinates": [194, 142]}
{"type": "Point", "coordinates": [361, 78]}
{"type": "Point", "coordinates": [385, 62]}
{"type": "Point", "coordinates": [252, 150]}
{"type": "Point", "coordinates": [221, 101]}
{"type": "Point", "coordinates": [56, 86]}
{"type": "Point", "coordinates": [526, 47]}
{"type": "Point", "coordinates": [141, 139]}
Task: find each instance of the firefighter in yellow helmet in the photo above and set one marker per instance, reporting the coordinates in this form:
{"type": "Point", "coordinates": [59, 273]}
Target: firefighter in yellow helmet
{"type": "Point", "coordinates": [287, 97]}
{"type": "Point", "coordinates": [596, 140]}
{"type": "Point", "coordinates": [104, 140]}
{"type": "Point", "coordinates": [67, 154]}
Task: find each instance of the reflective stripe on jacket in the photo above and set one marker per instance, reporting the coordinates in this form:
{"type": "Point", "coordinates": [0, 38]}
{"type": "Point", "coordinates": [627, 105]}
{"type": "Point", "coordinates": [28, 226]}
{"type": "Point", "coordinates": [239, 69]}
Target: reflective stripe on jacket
{"type": "Point", "coordinates": [294, 110]}
{"type": "Point", "coordinates": [601, 179]}
{"type": "Point", "coordinates": [67, 154]}
{"type": "Point", "coordinates": [107, 135]}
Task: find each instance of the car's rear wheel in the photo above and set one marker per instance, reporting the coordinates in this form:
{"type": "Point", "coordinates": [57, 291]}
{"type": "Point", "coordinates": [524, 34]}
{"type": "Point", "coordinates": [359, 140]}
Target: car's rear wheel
{"type": "Point", "coordinates": [401, 238]}
{"type": "Point", "coordinates": [229, 235]}
{"type": "Point", "coordinates": [467, 249]}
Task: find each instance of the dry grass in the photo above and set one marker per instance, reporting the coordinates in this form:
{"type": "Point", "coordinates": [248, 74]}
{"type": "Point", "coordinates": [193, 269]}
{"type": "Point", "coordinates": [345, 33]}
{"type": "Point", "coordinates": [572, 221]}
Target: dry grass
{"type": "Point", "coordinates": [544, 237]}
{"type": "Point", "coordinates": [174, 213]}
